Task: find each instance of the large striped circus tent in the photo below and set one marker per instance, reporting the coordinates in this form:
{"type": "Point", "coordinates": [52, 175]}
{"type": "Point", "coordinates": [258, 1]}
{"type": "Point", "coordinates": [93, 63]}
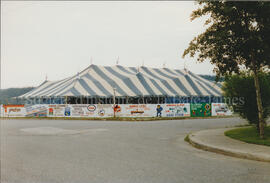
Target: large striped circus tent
{"type": "Point", "coordinates": [119, 81]}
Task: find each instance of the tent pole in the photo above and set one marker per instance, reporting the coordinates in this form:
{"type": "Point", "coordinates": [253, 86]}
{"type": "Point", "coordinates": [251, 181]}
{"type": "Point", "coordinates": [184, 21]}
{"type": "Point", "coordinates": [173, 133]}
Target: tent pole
{"type": "Point", "coordinates": [114, 102]}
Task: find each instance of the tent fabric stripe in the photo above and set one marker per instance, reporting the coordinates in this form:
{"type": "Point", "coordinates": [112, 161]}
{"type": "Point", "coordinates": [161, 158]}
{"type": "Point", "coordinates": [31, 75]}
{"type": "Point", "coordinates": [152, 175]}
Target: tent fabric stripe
{"type": "Point", "coordinates": [110, 81]}
{"type": "Point", "coordinates": [98, 85]}
{"type": "Point", "coordinates": [183, 79]}
{"type": "Point", "coordinates": [43, 85]}
{"type": "Point", "coordinates": [49, 89]}
{"type": "Point", "coordinates": [173, 83]}
{"type": "Point", "coordinates": [166, 84]}
{"type": "Point", "coordinates": [55, 91]}
{"type": "Point", "coordinates": [119, 81]}
{"type": "Point", "coordinates": [107, 86]}
{"type": "Point", "coordinates": [128, 81]}
{"type": "Point", "coordinates": [135, 80]}
{"type": "Point", "coordinates": [64, 92]}
{"type": "Point", "coordinates": [144, 83]}
{"type": "Point", "coordinates": [87, 88]}
{"type": "Point", "coordinates": [180, 82]}
{"type": "Point", "coordinates": [207, 83]}
{"type": "Point", "coordinates": [208, 91]}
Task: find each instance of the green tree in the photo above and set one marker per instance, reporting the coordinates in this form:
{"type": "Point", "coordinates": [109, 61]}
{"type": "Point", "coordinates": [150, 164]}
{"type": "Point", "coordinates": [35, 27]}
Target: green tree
{"type": "Point", "coordinates": [241, 85]}
{"type": "Point", "coordinates": [237, 37]}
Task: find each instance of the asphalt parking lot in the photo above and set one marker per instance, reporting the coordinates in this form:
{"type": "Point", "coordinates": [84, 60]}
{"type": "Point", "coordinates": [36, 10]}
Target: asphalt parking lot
{"type": "Point", "coordinates": [65, 151]}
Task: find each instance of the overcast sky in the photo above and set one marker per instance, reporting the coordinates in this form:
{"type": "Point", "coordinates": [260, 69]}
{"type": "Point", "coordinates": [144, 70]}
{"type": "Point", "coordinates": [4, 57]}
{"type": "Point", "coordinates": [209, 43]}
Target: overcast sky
{"type": "Point", "coordinates": [58, 39]}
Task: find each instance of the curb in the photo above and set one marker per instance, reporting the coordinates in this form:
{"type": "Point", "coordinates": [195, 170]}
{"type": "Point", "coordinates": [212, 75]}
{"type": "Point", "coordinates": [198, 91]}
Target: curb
{"type": "Point", "coordinates": [234, 153]}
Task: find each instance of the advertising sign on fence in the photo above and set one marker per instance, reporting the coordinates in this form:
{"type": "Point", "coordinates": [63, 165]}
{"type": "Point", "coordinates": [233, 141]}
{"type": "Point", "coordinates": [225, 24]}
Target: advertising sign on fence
{"type": "Point", "coordinates": [80, 110]}
{"type": "Point", "coordinates": [57, 110]}
{"type": "Point", "coordinates": [104, 110]}
{"type": "Point", "coordinates": [200, 109]}
{"type": "Point", "coordinates": [121, 110]}
{"type": "Point", "coordinates": [38, 110]}
{"type": "Point", "coordinates": [1, 110]}
{"type": "Point", "coordinates": [137, 110]}
{"type": "Point", "coordinates": [220, 109]}
{"type": "Point", "coordinates": [91, 110]}
{"type": "Point", "coordinates": [177, 110]}
{"type": "Point", "coordinates": [83, 110]}
{"type": "Point", "coordinates": [13, 111]}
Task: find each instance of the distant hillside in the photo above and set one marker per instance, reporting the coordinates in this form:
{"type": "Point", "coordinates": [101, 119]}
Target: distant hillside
{"type": "Point", "coordinates": [7, 94]}
{"type": "Point", "coordinates": [211, 77]}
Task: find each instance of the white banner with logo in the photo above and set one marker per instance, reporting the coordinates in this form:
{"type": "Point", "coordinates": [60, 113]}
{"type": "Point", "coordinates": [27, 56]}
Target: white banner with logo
{"type": "Point", "coordinates": [1, 110]}
{"type": "Point", "coordinates": [57, 110]}
{"type": "Point", "coordinates": [106, 110]}
{"type": "Point", "coordinates": [135, 110]}
{"type": "Point", "coordinates": [121, 110]}
{"type": "Point", "coordinates": [177, 110]}
{"type": "Point", "coordinates": [37, 110]}
{"type": "Point", "coordinates": [221, 109]}
{"type": "Point", "coordinates": [80, 110]}
{"type": "Point", "coordinates": [13, 110]}
{"type": "Point", "coordinates": [91, 110]}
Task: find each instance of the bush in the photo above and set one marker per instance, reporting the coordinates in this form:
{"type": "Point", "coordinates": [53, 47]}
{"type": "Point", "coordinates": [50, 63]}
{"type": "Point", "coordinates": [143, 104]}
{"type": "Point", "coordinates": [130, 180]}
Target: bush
{"type": "Point", "coordinates": [242, 85]}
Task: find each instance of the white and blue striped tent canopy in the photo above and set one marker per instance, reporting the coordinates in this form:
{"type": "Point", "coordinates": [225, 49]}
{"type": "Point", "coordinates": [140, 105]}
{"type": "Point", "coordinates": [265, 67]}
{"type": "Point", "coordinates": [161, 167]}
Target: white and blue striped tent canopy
{"type": "Point", "coordinates": [128, 81]}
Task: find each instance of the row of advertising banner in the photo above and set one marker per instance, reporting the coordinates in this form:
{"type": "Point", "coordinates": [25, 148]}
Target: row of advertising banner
{"type": "Point", "coordinates": [121, 110]}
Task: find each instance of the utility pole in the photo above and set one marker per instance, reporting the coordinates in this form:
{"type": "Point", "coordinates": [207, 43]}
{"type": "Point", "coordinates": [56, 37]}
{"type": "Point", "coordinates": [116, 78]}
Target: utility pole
{"type": "Point", "coordinates": [114, 102]}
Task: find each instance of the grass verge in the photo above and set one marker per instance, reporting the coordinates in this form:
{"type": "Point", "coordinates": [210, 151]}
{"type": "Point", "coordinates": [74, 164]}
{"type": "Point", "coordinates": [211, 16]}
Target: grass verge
{"type": "Point", "coordinates": [187, 138]}
{"type": "Point", "coordinates": [250, 135]}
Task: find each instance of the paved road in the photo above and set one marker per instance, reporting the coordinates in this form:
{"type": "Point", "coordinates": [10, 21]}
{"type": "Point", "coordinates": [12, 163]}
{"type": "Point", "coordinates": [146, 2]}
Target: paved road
{"type": "Point", "coordinates": [47, 151]}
